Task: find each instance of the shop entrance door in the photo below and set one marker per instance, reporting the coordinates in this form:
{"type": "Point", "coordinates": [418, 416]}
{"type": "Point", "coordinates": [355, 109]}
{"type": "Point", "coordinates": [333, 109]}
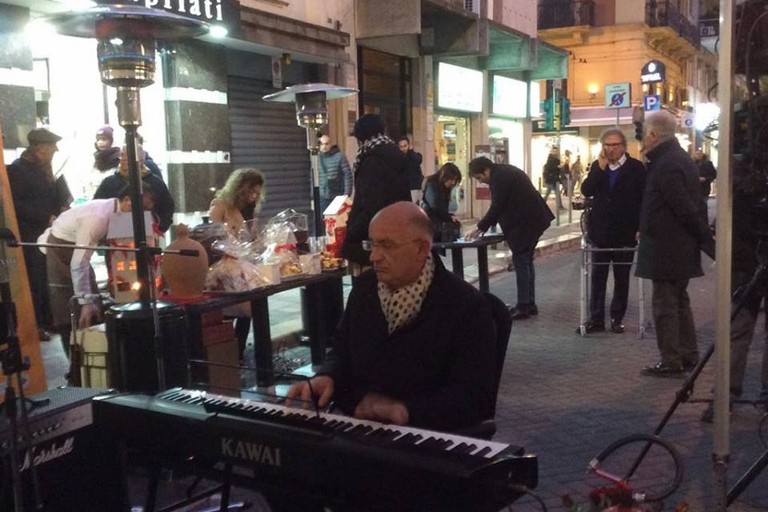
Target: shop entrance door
{"type": "Point", "coordinates": [452, 145]}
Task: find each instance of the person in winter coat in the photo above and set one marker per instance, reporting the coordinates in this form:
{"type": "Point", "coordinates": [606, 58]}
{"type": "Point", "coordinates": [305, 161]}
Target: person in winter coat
{"type": "Point", "coordinates": [111, 186]}
{"type": "Point", "coordinates": [379, 181]}
{"type": "Point", "coordinates": [412, 167]}
{"type": "Point", "coordinates": [615, 183]}
{"type": "Point", "coordinates": [38, 198]}
{"type": "Point", "coordinates": [437, 197]}
{"type": "Point", "coordinates": [672, 236]}
{"type": "Point", "coordinates": [334, 173]}
{"type": "Point", "coordinates": [552, 176]}
{"type": "Point", "coordinates": [523, 216]}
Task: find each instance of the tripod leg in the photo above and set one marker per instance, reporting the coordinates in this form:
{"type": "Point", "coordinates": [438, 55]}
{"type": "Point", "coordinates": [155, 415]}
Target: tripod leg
{"type": "Point", "coordinates": [747, 478]}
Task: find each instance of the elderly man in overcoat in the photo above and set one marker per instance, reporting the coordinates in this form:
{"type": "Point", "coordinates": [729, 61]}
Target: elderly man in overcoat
{"type": "Point", "coordinates": [672, 236]}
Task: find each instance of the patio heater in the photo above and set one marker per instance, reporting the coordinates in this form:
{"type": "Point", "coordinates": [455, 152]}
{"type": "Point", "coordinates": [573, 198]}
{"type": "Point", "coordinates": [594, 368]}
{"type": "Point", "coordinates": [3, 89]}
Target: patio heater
{"type": "Point", "coordinates": [312, 114]}
{"type": "Point", "coordinates": [126, 53]}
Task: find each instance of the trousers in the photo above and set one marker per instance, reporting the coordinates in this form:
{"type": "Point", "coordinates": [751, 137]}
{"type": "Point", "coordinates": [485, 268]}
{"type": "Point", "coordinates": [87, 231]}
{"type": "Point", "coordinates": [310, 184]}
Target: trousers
{"type": "Point", "coordinates": [525, 275]}
{"type": "Point", "coordinates": [673, 319]}
{"type": "Point", "coordinates": [602, 262]}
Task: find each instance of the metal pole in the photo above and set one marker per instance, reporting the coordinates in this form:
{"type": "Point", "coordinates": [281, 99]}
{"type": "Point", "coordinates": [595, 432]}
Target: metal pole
{"type": "Point", "coordinates": [129, 114]}
{"type": "Point", "coordinates": [721, 432]}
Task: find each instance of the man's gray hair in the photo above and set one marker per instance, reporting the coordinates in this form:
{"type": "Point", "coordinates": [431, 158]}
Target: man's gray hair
{"type": "Point", "coordinates": [613, 130]}
{"type": "Point", "coordinates": [663, 123]}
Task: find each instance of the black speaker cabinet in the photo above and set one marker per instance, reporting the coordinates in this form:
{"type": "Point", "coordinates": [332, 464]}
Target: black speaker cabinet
{"type": "Point", "coordinates": [78, 469]}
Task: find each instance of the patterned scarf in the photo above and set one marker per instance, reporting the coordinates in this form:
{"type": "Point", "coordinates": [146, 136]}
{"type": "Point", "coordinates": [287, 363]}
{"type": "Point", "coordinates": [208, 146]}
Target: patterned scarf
{"type": "Point", "coordinates": [401, 306]}
{"type": "Point", "coordinates": [368, 146]}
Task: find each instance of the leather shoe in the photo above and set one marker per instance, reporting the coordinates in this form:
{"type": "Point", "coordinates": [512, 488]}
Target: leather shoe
{"type": "Point", "coordinates": [617, 326]}
{"type": "Point", "coordinates": [590, 327]}
{"type": "Point", "coordinates": [663, 370]}
{"type": "Point", "coordinates": [520, 312]}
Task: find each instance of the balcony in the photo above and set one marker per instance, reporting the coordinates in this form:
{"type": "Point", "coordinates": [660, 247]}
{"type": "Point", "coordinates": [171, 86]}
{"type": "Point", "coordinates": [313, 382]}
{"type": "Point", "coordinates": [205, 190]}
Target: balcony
{"type": "Point", "coordinates": [661, 13]}
{"type": "Point", "coordinates": [565, 13]}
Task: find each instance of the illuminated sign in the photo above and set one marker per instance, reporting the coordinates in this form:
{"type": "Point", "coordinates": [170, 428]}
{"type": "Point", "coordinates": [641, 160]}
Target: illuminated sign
{"type": "Point", "coordinates": [459, 88]}
{"type": "Point", "coordinates": [654, 71]}
{"type": "Point", "coordinates": [509, 97]}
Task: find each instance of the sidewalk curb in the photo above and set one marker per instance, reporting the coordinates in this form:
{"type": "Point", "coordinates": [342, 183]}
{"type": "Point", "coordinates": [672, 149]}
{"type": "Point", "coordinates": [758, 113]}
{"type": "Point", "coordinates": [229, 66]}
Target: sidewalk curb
{"type": "Point", "coordinates": [549, 246]}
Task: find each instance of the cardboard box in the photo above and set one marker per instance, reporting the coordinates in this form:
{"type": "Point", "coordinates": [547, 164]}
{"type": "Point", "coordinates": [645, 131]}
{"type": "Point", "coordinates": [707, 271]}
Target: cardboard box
{"type": "Point", "coordinates": [93, 372]}
{"type": "Point", "coordinates": [220, 345]}
{"type": "Point", "coordinates": [335, 217]}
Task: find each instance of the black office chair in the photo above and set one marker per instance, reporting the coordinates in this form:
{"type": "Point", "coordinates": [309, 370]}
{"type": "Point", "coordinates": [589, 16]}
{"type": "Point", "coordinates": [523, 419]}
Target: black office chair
{"type": "Point", "coordinates": [487, 428]}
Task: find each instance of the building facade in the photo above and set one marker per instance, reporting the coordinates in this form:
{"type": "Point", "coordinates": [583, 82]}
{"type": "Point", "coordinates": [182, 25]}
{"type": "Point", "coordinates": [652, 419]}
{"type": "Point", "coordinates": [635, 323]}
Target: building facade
{"type": "Point", "coordinates": [460, 77]}
{"type": "Point", "coordinates": [650, 48]}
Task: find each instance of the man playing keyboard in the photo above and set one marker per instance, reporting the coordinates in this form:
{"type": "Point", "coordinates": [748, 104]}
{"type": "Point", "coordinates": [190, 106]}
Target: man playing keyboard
{"type": "Point", "coordinates": [416, 344]}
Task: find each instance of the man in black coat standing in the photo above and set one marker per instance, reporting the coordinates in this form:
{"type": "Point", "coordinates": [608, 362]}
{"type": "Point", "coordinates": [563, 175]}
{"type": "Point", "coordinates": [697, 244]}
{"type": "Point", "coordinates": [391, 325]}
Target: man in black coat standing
{"type": "Point", "coordinates": [672, 236]}
{"type": "Point", "coordinates": [38, 198]}
{"type": "Point", "coordinates": [412, 167]}
{"type": "Point", "coordinates": [523, 216]}
{"type": "Point", "coordinates": [380, 180]}
{"type": "Point", "coordinates": [615, 183]}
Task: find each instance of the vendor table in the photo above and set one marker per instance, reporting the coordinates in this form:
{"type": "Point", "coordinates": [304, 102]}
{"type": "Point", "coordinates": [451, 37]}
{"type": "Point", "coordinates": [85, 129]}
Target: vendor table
{"type": "Point", "coordinates": [481, 244]}
{"type": "Point", "coordinates": [322, 304]}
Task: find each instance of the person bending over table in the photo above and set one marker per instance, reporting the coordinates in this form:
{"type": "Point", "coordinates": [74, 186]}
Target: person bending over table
{"type": "Point", "coordinates": [416, 343]}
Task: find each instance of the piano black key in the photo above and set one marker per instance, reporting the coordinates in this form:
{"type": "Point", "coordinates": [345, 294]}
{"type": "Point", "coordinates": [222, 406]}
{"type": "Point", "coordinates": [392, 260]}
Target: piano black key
{"type": "Point", "coordinates": [482, 452]}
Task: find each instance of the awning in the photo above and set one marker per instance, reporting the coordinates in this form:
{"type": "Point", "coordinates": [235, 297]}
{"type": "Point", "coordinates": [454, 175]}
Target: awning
{"type": "Point", "coordinates": [516, 55]}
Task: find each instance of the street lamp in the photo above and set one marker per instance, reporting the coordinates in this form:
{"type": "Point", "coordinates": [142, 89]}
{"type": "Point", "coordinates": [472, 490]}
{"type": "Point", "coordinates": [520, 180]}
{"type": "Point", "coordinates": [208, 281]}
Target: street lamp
{"type": "Point", "coordinates": [126, 52]}
{"type": "Point", "coordinates": [312, 114]}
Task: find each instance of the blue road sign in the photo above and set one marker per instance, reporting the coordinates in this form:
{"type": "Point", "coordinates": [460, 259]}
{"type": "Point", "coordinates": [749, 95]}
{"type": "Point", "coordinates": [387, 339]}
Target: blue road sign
{"type": "Point", "coordinates": [651, 102]}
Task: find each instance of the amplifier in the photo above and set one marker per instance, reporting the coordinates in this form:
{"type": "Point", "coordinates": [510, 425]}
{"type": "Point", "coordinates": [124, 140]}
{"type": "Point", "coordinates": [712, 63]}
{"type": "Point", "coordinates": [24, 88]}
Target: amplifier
{"type": "Point", "coordinates": [78, 468]}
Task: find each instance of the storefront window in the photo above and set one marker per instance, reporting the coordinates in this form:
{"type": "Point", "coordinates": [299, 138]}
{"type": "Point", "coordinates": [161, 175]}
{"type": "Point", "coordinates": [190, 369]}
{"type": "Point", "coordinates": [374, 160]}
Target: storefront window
{"type": "Point", "coordinates": [385, 89]}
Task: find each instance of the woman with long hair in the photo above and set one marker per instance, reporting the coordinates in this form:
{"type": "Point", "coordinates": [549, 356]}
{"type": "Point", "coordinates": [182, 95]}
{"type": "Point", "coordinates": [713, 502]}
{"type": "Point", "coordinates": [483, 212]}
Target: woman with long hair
{"type": "Point", "coordinates": [437, 197]}
{"type": "Point", "coordinates": [234, 205]}
{"type": "Point", "coordinates": [237, 201]}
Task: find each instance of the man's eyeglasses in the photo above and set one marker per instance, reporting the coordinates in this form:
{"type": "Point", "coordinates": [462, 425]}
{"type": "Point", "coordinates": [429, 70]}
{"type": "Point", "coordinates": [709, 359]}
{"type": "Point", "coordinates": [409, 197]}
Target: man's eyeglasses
{"type": "Point", "coordinates": [385, 245]}
{"type": "Point", "coordinates": [613, 145]}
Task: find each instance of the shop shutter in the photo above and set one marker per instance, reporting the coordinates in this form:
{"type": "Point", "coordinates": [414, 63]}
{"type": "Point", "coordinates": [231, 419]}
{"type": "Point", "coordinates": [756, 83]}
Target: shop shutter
{"type": "Point", "coordinates": [265, 136]}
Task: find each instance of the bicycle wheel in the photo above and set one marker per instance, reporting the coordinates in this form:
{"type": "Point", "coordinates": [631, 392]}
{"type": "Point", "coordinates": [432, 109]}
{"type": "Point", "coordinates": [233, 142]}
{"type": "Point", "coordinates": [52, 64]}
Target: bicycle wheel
{"type": "Point", "coordinates": [648, 464]}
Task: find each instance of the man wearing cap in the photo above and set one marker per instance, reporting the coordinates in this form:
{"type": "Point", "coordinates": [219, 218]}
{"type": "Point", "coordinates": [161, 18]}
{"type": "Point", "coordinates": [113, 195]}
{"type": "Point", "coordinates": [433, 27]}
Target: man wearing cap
{"type": "Point", "coordinates": [38, 198]}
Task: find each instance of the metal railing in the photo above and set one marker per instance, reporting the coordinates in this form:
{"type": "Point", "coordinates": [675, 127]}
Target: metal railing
{"type": "Point", "coordinates": [662, 13]}
{"type": "Point", "coordinates": [565, 13]}
{"type": "Point", "coordinates": [584, 285]}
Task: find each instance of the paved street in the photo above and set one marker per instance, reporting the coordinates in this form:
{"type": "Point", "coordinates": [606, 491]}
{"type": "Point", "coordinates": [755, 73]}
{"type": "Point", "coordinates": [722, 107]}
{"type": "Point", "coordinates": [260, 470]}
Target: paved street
{"type": "Point", "coordinates": [566, 398]}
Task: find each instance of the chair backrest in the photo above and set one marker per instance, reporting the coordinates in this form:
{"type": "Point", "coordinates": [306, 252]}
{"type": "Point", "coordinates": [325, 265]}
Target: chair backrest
{"type": "Point", "coordinates": [503, 321]}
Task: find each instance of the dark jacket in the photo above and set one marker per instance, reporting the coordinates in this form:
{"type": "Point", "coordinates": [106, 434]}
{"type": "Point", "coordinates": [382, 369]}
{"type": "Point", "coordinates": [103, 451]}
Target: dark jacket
{"type": "Point", "coordinates": [436, 200]}
{"type": "Point", "coordinates": [334, 174]}
{"type": "Point", "coordinates": [709, 173]}
{"type": "Point", "coordinates": [379, 182]}
{"type": "Point", "coordinates": [163, 211]}
{"type": "Point", "coordinates": [37, 196]}
{"type": "Point", "coordinates": [441, 365]}
{"type": "Point", "coordinates": [615, 215]}
{"type": "Point", "coordinates": [552, 170]}
{"type": "Point", "coordinates": [517, 207]}
{"type": "Point", "coordinates": [413, 169]}
{"type": "Point", "coordinates": [672, 231]}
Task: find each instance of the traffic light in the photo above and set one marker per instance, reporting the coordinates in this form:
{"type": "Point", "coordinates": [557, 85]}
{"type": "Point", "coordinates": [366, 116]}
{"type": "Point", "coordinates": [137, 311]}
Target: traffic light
{"type": "Point", "coordinates": [638, 116]}
{"type": "Point", "coordinates": [565, 112]}
{"type": "Point", "coordinates": [548, 113]}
